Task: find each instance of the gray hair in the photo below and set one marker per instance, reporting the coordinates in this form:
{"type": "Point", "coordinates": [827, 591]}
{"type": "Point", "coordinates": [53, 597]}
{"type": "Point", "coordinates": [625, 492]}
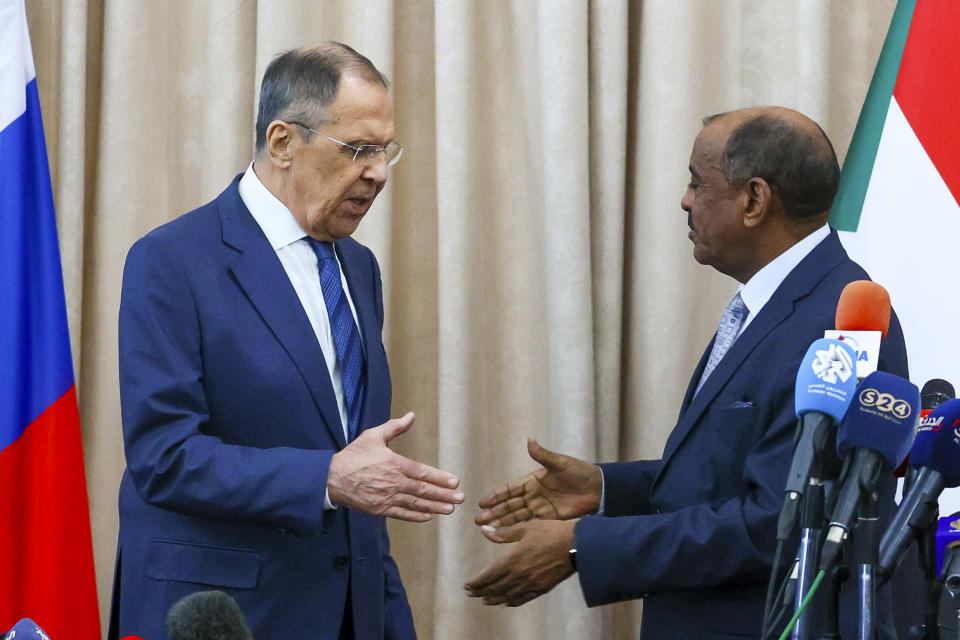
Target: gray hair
{"type": "Point", "coordinates": [301, 83]}
{"type": "Point", "coordinates": [801, 167]}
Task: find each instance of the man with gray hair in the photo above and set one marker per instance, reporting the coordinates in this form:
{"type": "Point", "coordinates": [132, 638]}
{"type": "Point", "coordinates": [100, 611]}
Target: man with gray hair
{"type": "Point", "coordinates": [254, 382]}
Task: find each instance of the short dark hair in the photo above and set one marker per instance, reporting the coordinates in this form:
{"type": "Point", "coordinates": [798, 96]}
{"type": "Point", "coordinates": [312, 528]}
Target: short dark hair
{"type": "Point", "coordinates": [801, 167]}
{"type": "Point", "coordinates": [301, 83]}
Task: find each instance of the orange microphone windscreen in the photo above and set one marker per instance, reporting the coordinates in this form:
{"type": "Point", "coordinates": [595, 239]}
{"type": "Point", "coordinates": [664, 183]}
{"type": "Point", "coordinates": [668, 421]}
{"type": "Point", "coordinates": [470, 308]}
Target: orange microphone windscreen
{"type": "Point", "coordinates": [864, 306]}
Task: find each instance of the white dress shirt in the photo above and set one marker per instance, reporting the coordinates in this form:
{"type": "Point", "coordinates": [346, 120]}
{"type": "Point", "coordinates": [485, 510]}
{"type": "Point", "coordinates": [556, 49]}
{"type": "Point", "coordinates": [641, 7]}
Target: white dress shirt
{"type": "Point", "coordinates": [296, 255]}
{"type": "Point", "coordinates": [760, 288]}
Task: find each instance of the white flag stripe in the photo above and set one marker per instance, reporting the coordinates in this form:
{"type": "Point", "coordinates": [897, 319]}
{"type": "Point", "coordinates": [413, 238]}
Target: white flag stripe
{"type": "Point", "coordinates": [16, 63]}
{"type": "Point", "coordinates": [907, 240]}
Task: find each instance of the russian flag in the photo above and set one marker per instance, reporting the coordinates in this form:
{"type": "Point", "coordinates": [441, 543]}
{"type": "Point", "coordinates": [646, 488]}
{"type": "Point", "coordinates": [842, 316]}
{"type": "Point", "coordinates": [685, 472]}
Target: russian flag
{"type": "Point", "coordinates": [46, 554]}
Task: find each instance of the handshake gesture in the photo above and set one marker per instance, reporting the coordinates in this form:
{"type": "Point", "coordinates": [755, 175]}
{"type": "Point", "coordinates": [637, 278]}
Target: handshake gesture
{"type": "Point", "coordinates": [536, 513]}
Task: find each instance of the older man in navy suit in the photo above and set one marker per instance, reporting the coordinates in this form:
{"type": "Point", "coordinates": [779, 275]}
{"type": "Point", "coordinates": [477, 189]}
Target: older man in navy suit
{"type": "Point", "coordinates": [693, 533]}
{"type": "Point", "coordinates": [254, 383]}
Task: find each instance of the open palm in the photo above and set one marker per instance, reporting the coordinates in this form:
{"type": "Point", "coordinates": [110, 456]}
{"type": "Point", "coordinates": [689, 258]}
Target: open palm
{"type": "Point", "coordinates": [564, 487]}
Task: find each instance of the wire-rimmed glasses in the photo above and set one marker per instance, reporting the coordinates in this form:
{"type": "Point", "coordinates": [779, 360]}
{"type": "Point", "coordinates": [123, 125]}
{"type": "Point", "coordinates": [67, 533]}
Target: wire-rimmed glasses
{"type": "Point", "coordinates": [365, 153]}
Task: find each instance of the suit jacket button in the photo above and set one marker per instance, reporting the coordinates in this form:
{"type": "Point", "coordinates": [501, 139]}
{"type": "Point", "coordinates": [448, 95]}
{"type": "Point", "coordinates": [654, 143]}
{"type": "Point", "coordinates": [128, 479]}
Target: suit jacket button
{"type": "Point", "coordinates": [341, 562]}
{"type": "Point", "coordinates": [657, 511]}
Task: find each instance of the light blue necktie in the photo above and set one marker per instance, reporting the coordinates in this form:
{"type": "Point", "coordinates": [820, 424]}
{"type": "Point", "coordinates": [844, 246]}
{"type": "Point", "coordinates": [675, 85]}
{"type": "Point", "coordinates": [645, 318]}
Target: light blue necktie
{"type": "Point", "coordinates": [346, 337]}
{"type": "Point", "coordinates": [733, 317]}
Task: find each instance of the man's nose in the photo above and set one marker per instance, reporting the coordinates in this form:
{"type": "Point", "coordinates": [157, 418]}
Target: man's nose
{"type": "Point", "coordinates": [687, 200]}
{"type": "Point", "coordinates": [376, 169]}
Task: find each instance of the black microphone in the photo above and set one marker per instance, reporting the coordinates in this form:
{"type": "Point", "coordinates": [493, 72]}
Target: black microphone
{"type": "Point", "coordinates": [875, 435]}
{"type": "Point", "coordinates": [207, 615]}
{"type": "Point", "coordinates": [936, 458]}
{"type": "Point", "coordinates": [934, 393]}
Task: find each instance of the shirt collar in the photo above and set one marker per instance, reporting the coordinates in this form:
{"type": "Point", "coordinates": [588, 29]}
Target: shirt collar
{"type": "Point", "coordinates": [274, 218]}
{"type": "Point", "coordinates": [761, 287]}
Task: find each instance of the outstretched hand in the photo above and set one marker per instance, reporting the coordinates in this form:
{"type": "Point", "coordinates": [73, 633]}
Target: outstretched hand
{"type": "Point", "coordinates": [565, 487]}
{"type": "Point", "coordinates": [537, 561]}
{"type": "Point", "coordinates": [366, 475]}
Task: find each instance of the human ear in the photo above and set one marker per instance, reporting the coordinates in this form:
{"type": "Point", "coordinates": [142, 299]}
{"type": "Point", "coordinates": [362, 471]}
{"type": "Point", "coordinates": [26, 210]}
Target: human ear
{"type": "Point", "coordinates": [759, 197]}
{"type": "Point", "coordinates": [280, 143]}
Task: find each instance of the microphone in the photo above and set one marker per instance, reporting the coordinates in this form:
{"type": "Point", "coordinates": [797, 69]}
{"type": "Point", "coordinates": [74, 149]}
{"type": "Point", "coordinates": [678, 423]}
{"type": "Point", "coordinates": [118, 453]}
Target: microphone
{"type": "Point", "coordinates": [824, 389]}
{"type": "Point", "coordinates": [936, 458]}
{"type": "Point", "coordinates": [934, 393]}
{"type": "Point", "coordinates": [947, 541]}
{"type": "Point", "coordinates": [863, 319]}
{"type": "Point", "coordinates": [207, 615]}
{"type": "Point", "coordinates": [875, 435]}
{"type": "Point", "coordinates": [26, 629]}
{"type": "Point", "coordinates": [864, 305]}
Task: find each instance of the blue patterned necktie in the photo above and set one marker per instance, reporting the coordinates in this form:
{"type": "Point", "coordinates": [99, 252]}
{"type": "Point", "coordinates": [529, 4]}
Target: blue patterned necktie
{"type": "Point", "coordinates": [733, 317]}
{"type": "Point", "coordinates": [346, 337]}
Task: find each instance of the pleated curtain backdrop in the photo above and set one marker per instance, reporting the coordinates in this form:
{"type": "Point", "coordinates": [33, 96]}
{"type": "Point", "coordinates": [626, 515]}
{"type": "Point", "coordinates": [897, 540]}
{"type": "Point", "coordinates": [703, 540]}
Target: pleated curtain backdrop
{"type": "Point", "coordinates": [538, 276]}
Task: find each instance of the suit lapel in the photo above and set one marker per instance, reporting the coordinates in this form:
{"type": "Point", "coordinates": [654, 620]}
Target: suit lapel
{"type": "Point", "coordinates": [697, 373]}
{"type": "Point", "coordinates": [798, 283]}
{"type": "Point", "coordinates": [772, 314]}
{"type": "Point", "coordinates": [261, 276]}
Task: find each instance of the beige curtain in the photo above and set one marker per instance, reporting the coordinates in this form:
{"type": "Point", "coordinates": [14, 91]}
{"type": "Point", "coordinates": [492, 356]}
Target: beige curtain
{"type": "Point", "coordinates": [538, 276]}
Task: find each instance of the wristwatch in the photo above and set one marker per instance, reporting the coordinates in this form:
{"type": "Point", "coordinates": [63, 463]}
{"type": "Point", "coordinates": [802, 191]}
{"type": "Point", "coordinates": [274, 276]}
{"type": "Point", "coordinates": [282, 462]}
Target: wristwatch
{"type": "Point", "coordinates": [573, 558]}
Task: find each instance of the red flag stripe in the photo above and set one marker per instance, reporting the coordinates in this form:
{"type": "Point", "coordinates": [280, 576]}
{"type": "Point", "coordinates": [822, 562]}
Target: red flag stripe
{"type": "Point", "coordinates": [44, 518]}
{"type": "Point", "coordinates": [928, 85]}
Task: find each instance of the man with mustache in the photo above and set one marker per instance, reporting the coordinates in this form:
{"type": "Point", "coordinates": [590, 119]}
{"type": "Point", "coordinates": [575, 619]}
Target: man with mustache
{"type": "Point", "coordinates": [254, 383]}
{"type": "Point", "coordinates": [694, 532]}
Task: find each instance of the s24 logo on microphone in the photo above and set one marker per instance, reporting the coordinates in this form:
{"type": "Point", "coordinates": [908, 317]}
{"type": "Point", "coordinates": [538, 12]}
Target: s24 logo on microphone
{"type": "Point", "coordinates": [886, 403]}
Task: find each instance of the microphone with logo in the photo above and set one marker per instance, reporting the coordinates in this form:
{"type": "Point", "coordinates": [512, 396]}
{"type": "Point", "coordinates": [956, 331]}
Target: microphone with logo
{"type": "Point", "coordinates": [935, 456]}
{"type": "Point", "coordinates": [934, 393]}
{"type": "Point", "coordinates": [875, 436]}
{"type": "Point", "coordinates": [207, 615]}
{"type": "Point", "coordinates": [26, 629]}
{"type": "Point", "coordinates": [863, 319]}
{"type": "Point", "coordinates": [824, 390]}
{"type": "Point", "coordinates": [948, 551]}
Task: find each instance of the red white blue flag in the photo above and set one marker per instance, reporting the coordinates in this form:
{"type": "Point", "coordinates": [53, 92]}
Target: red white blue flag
{"type": "Point", "coordinates": [46, 555]}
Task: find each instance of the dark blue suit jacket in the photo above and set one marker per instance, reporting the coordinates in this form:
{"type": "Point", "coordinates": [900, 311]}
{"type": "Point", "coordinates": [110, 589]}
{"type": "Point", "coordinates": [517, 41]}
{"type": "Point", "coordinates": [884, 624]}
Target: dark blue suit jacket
{"type": "Point", "coordinates": [694, 532]}
{"type": "Point", "coordinates": [229, 422]}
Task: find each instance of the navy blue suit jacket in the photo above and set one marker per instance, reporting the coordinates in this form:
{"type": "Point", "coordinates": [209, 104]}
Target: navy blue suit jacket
{"type": "Point", "coordinates": [694, 532]}
{"type": "Point", "coordinates": [230, 421]}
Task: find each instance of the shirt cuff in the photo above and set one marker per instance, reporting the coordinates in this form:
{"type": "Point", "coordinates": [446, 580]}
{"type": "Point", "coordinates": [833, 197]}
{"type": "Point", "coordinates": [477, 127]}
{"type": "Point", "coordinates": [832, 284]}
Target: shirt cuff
{"type": "Point", "coordinates": [603, 492]}
{"type": "Point", "coordinates": [327, 504]}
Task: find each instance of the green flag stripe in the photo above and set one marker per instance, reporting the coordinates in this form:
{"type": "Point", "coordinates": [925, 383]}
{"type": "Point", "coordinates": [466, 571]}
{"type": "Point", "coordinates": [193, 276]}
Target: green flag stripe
{"type": "Point", "coordinates": [855, 177]}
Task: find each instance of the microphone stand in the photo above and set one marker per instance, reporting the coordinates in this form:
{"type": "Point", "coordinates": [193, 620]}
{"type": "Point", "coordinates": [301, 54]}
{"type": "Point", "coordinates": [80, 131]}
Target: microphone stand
{"type": "Point", "coordinates": [838, 575]}
{"type": "Point", "coordinates": [866, 542]}
{"type": "Point", "coordinates": [951, 576]}
{"type": "Point", "coordinates": [812, 522]}
{"type": "Point", "coordinates": [934, 588]}
{"type": "Point", "coordinates": [927, 555]}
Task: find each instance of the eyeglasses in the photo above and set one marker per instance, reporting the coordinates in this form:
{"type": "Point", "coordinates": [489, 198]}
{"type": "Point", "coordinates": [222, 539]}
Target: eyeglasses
{"type": "Point", "coordinates": [365, 153]}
